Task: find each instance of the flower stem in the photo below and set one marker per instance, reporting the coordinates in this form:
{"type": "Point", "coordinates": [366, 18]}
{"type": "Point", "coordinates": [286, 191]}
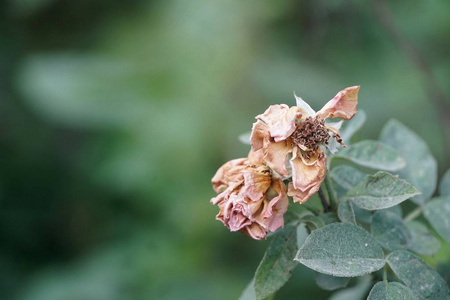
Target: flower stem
{"type": "Point", "coordinates": [323, 199]}
{"type": "Point", "coordinates": [385, 280]}
{"type": "Point", "coordinates": [331, 195]}
{"type": "Point", "coordinates": [412, 215]}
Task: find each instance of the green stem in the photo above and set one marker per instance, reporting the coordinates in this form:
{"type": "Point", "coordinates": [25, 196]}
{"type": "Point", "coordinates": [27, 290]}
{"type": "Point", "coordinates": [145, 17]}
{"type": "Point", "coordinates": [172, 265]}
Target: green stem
{"type": "Point", "coordinates": [330, 190]}
{"type": "Point", "coordinates": [385, 280]}
{"type": "Point", "coordinates": [312, 208]}
{"type": "Point", "coordinates": [412, 215]}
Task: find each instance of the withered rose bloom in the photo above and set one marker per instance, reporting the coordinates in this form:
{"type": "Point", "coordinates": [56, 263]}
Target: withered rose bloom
{"type": "Point", "coordinates": [301, 133]}
{"type": "Point", "coordinates": [249, 198]}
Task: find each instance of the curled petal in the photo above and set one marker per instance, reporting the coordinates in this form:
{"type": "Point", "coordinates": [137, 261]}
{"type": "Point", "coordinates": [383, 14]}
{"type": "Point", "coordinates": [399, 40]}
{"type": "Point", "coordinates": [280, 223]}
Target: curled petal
{"type": "Point", "coordinates": [238, 221]}
{"type": "Point", "coordinates": [255, 157]}
{"type": "Point", "coordinates": [260, 134]}
{"type": "Point", "coordinates": [254, 210]}
{"type": "Point", "coordinates": [273, 113]}
{"type": "Point", "coordinates": [234, 213]}
{"type": "Point", "coordinates": [223, 197]}
{"type": "Point", "coordinates": [301, 197]}
{"type": "Point", "coordinates": [281, 120]}
{"type": "Point", "coordinates": [305, 176]}
{"type": "Point", "coordinates": [229, 172]}
{"type": "Point", "coordinates": [277, 206]}
{"type": "Point", "coordinates": [256, 182]}
{"type": "Point", "coordinates": [276, 157]}
{"type": "Point", "coordinates": [255, 231]}
{"type": "Point", "coordinates": [343, 105]}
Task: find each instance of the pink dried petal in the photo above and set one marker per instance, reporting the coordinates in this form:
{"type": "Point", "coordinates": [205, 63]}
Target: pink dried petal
{"type": "Point", "coordinates": [229, 172]}
{"type": "Point", "coordinates": [256, 182]}
{"type": "Point", "coordinates": [281, 120]}
{"type": "Point", "coordinates": [277, 206]}
{"type": "Point", "coordinates": [255, 157]}
{"type": "Point", "coordinates": [238, 221]}
{"type": "Point", "coordinates": [301, 197]}
{"type": "Point", "coordinates": [307, 175]}
{"type": "Point", "coordinates": [343, 105]}
{"type": "Point", "coordinates": [255, 231]}
{"type": "Point", "coordinates": [260, 134]}
{"type": "Point", "coordinates": [275, 157]}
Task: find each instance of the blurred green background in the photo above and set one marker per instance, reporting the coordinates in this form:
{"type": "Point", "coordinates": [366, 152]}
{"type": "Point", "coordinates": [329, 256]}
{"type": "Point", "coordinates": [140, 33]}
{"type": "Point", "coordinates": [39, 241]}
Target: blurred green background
{"type": "Point", "coordinates": [114, 116]}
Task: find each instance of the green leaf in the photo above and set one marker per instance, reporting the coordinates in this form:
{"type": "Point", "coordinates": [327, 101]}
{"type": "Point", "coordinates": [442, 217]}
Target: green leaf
{"type": "Point", "coordinates": [249, 292]}
{"type": "Point", "coordinates": [421, 168]}
{"type": "Point", "coordinates": [374, 155]}
{"type": "Point", "coordinates": [346, 213]}
{"type": "Point", "coordinates": [395, 209]}
{"type": "Point", "coordinates": [362, 215]}
{"type": "Point", "coordinates": [425, 282]}
{"type": "Point", "coordinates": [331, 283]}
{"type": "Point", "coordinates": [379, 191]}
{"type": "Point", "coordinates": [389, 230]}
{"type": "Point", "coordinates": [365, 216]}
{"type": "Point", "coordinates": [342, 250]}
{"type": "Point", "coordinates": [312, 222]}
{"type": "Point", "coordinates": [437, 212]}
{"type": "Point", "coordinates": [291, 218]}
{"type": "Point", "coordinates": [357, 292]}
{"type": "Point", "coordinates": [423, 241]}
{"type": "Point", "coordinates": [346, 176]}
{"type": "Point", "coordinates": [391, 291]}
{"type": "Point", "coordinates": [302, 234]}
{"type": "Point", "coordinates": [353, 126]}
{"type": "Point", "coordinates": [329, 218]}
{"type": "Point", "coordinates": [444, 185]}
{"type": "Point", "coordinates": [277, 264]}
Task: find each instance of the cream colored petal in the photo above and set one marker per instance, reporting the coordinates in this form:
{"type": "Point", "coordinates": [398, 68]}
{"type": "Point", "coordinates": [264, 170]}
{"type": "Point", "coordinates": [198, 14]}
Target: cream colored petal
{"type": "Point", "coordinates": [227, 173]}
{"type": "Point", "coordinates": [275, 156]}
{"type": "Point", "coordinates": [304, 177]}
{"type": "Point", "coordinates": [334, 126]}
{"type": "Point", "coordinates": [343, 105]}
{"type": "Point", "coordinates": [305, 106]}
{"type": "Point", "coordinates": [260, 135]}
{"type": "Point", "coordinates": [301, 197]}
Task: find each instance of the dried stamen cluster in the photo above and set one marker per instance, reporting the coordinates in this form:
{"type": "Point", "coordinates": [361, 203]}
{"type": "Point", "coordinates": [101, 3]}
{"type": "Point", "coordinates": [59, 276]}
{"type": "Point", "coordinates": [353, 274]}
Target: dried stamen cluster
{"type": "Point", "coordinates": [310, 134]}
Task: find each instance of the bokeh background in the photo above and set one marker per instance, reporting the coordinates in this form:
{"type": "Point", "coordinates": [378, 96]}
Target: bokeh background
{"type": "Point", "coordinates": [114, 116]}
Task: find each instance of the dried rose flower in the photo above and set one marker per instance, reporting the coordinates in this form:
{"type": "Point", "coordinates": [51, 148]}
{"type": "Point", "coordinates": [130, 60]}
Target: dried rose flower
{"type": "Point", "coordinates": [249, 198]}
{"type": "Point", "coordinates": [302, 133]}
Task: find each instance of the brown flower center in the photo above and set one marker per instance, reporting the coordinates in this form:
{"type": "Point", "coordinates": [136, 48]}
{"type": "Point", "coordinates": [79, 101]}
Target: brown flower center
{"type": "Point", "coordinates": [311, 133]}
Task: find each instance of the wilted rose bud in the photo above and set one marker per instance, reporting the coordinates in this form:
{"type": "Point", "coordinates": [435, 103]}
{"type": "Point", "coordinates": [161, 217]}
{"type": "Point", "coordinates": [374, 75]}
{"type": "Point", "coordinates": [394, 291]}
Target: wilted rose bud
{"type": "Point", "coordinates": [249, 198]}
